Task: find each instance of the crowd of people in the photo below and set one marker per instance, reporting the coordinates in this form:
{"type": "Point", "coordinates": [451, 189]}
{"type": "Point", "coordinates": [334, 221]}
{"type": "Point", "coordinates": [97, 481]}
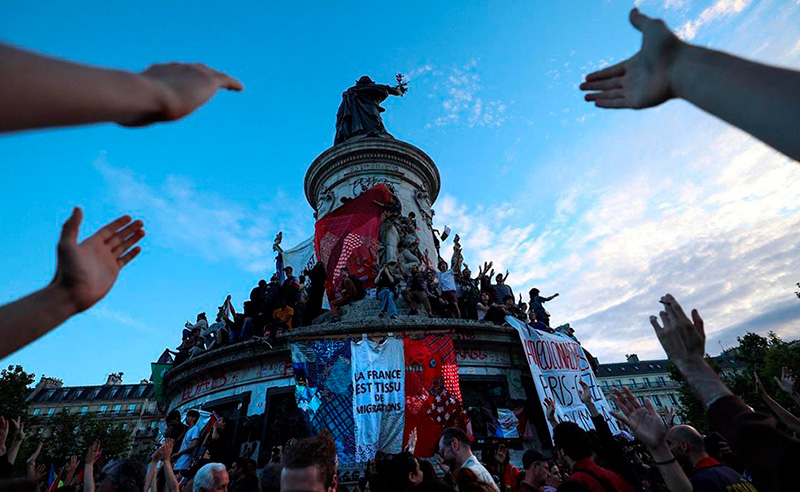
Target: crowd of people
{"type": "Point", "coordinates": [38, 91]}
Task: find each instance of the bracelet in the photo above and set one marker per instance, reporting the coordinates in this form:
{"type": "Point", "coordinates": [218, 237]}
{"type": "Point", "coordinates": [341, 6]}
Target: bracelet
{"type": "Point", "coordinates": [659, 463]}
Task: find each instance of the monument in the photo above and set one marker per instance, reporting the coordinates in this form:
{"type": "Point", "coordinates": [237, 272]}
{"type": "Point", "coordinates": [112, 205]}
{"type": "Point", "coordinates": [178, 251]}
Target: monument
{"type": "Point", "coordinates": [372, 196]}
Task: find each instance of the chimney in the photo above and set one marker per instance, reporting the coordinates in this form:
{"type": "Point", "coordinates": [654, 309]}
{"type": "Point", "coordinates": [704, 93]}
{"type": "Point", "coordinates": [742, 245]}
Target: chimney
{"type": "Point", "coordinates": [114, 378]}
{"type": "Point", "coordinates": [45, 384]}
{"type": "Point", "coordinates": [632, 357]}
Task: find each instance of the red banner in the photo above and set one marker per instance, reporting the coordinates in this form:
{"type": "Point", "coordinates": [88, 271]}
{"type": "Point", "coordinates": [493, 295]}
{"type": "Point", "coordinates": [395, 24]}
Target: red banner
{"type": "Point", "coordinates": [433, 395]}
{"type": "Point", "coordinates": [349, 236]}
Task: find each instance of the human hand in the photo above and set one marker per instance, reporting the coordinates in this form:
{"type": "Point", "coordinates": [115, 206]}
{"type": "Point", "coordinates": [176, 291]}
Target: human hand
{"type": "Point", "coordinates": [645, 423]}
{"type": "Point", "coordinates": [683, 340]}
{"type": "Point", "coordinates": [412, 441]}
{"type": "Point", "coordinates": [643, 80]}
{"type": "Point", "coordinates": [501, 454]}
{"type": "Point", "coordinates": [38, 473]}
{"type": "Point", "coordinates": [166, 449]}
{"type": "Point", "coordinates": [584, 394]}
{"type": "Point", "coordinates": [93, 453]}
{"type": "Point", "coordinates": [19, 429]}
{"type": "Point", "coordinates": [786, 382]}
{"type": "Point", "coordinates": [669, 415]}
{"type": "Point", "coordinates": [3, 431]}
{"type": "Point", "coordinates": [157, 455]}
{"type": "Point", "coordinates": [87, 271]}
{"type": "Point", "coordinates": [180, 88]}
{"type": "Point", "coordinates": [550, 406]}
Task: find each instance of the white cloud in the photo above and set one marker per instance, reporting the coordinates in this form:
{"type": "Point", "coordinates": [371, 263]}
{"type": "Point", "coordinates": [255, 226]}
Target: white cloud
{"type": "Point", "coordinates": [720, 8]}
{"type": "Point", "coordinates": [463, 99]}
{"type": "Point", "coordinates": [204, 223]}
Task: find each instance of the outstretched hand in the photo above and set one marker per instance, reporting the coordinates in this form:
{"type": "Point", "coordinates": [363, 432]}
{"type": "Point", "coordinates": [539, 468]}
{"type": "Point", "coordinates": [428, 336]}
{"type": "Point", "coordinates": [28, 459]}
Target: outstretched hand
{"type": "Point", "coordinates": [550, 405]}
{"type": "Point", "coordinates": [35, 455]}
{"type": "Point", "coordinates": [412, 441]}
{"type": "Point", "coordinates": [684, 340]}
{"type": "Point", "coordinates": [86, 271]}
{"type": "Point", "coordinates": [645, 423]}
{"type": "Point", "coordinates": [182, 87]}
{"type": "Point", "coordinates": [93, 453]}
{"type": "Point", "coordinates": [643, 80]}
{"type": "Point", "coordinates": [786, 381]}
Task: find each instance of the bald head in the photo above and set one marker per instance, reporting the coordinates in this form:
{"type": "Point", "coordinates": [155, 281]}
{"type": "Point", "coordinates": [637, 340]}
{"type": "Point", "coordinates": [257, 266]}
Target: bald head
{"type": "Point", "coordinates": [686, 440]}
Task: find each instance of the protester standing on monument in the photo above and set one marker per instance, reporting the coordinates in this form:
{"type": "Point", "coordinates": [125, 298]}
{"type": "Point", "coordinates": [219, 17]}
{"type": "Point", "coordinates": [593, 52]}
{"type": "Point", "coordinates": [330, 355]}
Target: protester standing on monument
{"type": "Point", "coordinates": [316, 291]}
{"type": "Point", "coordinates": [416, 292]}
{"type": "Point", "coordinates": [386, 284]}
{"type": "Point", "coordinates": [447, 286]}
{"type": "Point", "coordinates": [190, 442]}
{"type": "Point", "coordinates": [537, 305]}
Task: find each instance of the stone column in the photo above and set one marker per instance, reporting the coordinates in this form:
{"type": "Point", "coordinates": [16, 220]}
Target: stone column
{"type": "Point", "coordinates": [348, 169]}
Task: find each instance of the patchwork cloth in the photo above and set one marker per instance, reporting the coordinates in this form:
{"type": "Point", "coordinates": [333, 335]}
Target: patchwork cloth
{"type": "Point", "coordinates": [324, 390]}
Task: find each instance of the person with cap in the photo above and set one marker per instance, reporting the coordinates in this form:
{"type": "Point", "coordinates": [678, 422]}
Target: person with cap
{"type": "Point", "coordinates": [536, 472]}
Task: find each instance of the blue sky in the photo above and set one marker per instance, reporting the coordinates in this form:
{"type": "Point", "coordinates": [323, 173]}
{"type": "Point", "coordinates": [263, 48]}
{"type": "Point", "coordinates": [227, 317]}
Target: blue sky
{"type": "Point", "coordinates": [611, 209]}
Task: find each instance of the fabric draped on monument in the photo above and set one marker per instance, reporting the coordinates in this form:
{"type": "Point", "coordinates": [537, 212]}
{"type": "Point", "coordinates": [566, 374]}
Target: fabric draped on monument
{"type": "Point", "coordinates": [349, 237]}
{"type": "Point", "coordinates": [378, 375]}
{"type": "Point", "coordinates": [433, 394]}
{"type": "Point", "coordinates": [324, 390]}
{"type": "Point", "coordinates": [370, 395]}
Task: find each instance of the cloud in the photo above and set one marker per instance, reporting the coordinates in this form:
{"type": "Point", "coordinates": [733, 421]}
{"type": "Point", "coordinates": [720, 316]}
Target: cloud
{"type": "Point", "coordinates": [204, 223]}
{"type": "Point", "coordinates": [123, 319]}
{"type": "Point", "coordinates": [463, 99]}
{"type": "Point", "coordinates": [720, 8]}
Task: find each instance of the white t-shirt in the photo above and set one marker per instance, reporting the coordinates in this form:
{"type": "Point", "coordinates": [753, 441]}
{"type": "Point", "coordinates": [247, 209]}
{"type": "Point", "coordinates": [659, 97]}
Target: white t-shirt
{"type": "Point", "coordinates": [447, 280]}
{"type": "Point", "coordinates": [185, 460]}
{"type": "Point", "coordinates": [480, 471]}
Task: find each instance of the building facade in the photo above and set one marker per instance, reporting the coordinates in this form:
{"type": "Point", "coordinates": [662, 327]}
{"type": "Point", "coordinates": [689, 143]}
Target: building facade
{"type": "Point", "coordinates": [649, 379]}
{"type": "Point", "coordinates": [130, 405]}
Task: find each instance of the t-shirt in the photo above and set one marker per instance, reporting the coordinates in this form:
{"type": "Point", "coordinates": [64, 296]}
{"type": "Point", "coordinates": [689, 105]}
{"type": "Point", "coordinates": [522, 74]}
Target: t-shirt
{"type": "Point", "coordinates": [711, 476]}
{"type": "Point", "coordinates": [480, 471]}
{"type": "Point", "coordinates": [282, 313]}
{"type": "Point", "coordinates": [185, 460]}
{"type": "Point", "coordinates": [501, 291]}
{"type": "Point", "coordinates": [447, 280]}
{"type": "Point", "coordinates": [482, 313]}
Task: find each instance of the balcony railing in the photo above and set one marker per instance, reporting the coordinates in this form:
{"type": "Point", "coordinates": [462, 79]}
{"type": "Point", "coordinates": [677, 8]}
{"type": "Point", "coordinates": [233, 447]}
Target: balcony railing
{"type": "Point", "coordinates": [643, 386]}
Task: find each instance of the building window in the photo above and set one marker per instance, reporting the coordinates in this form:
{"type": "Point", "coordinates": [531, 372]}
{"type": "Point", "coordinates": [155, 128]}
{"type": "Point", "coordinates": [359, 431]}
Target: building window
{"type": "Point", "coordinates": [641, 400]}
{"type": "Point", "coordinates": [656, 400]}
{"type": "Point", "coordinates": [36, 411]}
{"type": "Point", "coordinates": [633, 382]}
{"type": "Point", "coordinates": [50, 412]}
{"type": "Point", "coordinates": [103, 409]}
{"type": "Point", "coordinates": [127, 392]}
{"type": "Point", "coordinates": [661, 381]}
{"type": "Point", "coordinates": [140, 391]}
{"type": "Point", "coordinates": [94, 394]}
{"type": "Point", "coordinates": [84, 409]}
{"type": "Point", "coordinates": [605, 384]}
{"type": "Point", "coordinates": [618, 383]}
{"type": "Point", "coordinates": [646, 382]}
{"type": "Point", "coordinates": [131, 407]}
{"type": "Point", "coordinates": [117, 408]}
{"type": "Point", "coordinates": [672, 399]}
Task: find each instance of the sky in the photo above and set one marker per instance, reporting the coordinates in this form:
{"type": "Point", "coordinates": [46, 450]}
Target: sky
{"type": "Point", "coordinates": [611, 209]}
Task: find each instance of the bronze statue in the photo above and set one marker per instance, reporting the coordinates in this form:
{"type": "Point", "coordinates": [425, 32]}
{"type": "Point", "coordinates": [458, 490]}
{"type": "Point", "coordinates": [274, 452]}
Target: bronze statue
{"type": "Point", "coordinates": [360, 111]}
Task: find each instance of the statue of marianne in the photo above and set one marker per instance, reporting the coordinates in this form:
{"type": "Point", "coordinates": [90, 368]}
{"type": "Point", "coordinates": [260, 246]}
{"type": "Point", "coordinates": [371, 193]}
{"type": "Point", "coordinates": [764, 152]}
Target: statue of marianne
{"type": "Point", "coordinates": [360, 111]}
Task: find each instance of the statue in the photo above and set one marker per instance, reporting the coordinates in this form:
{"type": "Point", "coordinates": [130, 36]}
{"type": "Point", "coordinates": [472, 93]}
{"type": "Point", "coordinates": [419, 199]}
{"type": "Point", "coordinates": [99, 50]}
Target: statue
{"type": "Point", "coordinates": [424, 204]}
{"type": "Point", "coordinates": [409, 249]}
{"type": "Point", "coordinates": [360, 111]}
{"type": "Point", "coordinates": [390, 230]}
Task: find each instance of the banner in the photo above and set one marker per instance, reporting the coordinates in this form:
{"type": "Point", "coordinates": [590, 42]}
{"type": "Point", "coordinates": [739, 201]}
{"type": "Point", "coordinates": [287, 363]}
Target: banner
{"type": "Point", "coordinates": [157, 372]}
{"type": "Point", "coordinates": [558, 364]}
{"type": "Point", "coordinates": [301, 257]}
{"type": "Point", "coordinates": [433, 394]}
{"type": "Point", "coordinates": [324, 390]}
{"type": "Point", "coordinates": [349, 237]}
{"type": "Point", "coordinates": [378, 406]}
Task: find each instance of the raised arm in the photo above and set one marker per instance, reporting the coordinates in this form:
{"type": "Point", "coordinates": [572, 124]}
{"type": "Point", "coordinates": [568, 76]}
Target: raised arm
{"type": "Point", "coordinates": [787, 384]}
{"type": "Point", "coordinates": [85, 273]}
{"type": "Point", "coordinates": [38, 91]}
{"type": "Point", "coordinates": [19, 436]}
{"type": "Point", "coordinates": [548, 299]}
{"type": "Point", "coordinates": [169, 473]}
{"type": "Point", "coordinates": [786, 416]}
{"type": "Point", "coordinates": [33, 470]}
{"type": "Point", "coordinates": [88, 468]}
{"type": "Point", "coordinates": [648, 427]}
{"type": "Point", "coordinates": [71, 467]}
{"type": "Point", "coordinates": [761, 100]}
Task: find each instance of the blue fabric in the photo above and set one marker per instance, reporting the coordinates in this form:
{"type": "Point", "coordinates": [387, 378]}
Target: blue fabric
{"type": "Point", "coordinates": [386, 297]}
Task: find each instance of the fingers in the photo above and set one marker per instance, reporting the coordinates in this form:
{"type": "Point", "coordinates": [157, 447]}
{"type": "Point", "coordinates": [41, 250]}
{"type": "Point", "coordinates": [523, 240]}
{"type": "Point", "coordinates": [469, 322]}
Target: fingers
{"type": "Point", "coordinates": [120, 235]}
{"type": "Point", "coordinates": [632, 401]}
{"type": "Point", "coordinates": [617, 70]}
{"type": "Point", "coordinates": [127, 257]}
{"type": "Point", "coordinates": [605, 95]}
{"type": "Point", "coordinates": [129, 240]}
{"type": "Point", "coordinates": [674, 308]}
{"type": "Point", "coordinates": [698, 321]}
{"type": "Point", "coordinates": [112, 228]}
{"type": "Point", "coordinates": [618, 103]}
{"type": "Point", "coordinates": [665, 319]}
{"type": "Point", "coordinates": [638, 19]}
{"type": "Point", "coordinates": [656, 326]}
{"type": "Point", "coordinates": [602, 85]}
{"type": "Point", "coordinates": [69, 231]}
{"type": "Point", "coordinates": [228, 82]}
{"type": "Point", "coordinates": [622, 418]}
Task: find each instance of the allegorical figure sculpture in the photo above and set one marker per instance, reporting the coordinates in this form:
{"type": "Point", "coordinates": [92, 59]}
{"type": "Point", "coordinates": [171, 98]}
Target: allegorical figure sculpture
{"type": "Point", "coordinates": [360, 111]}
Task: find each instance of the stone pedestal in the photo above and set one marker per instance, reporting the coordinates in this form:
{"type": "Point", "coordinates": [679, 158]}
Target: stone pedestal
{"type": "Point", "coordinates": [348, 169]}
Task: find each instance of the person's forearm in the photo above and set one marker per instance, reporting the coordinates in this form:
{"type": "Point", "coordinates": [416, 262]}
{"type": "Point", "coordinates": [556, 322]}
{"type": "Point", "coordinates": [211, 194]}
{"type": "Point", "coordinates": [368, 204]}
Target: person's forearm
{"type": "Point", "coordinates": [38, 91]}
{"type": "Point", "coordinates": [151, 473]}
{"type": "Point", "coordinates": [761, 100]}
{"type": "Point", "coordinates": [703, 380]}
{"type": "Point", "coordinates": [786, 416]}
{"type": "Point", "coordinates": [88, 478]}
{"type": "Point", "coordinates": [169, 474]}
{"type": "Point", "coordinates": [673, 474]}
{"type": "Point", "coordinates": [13, 450]}
{"type": "Point", "coordinates": [24, 320]}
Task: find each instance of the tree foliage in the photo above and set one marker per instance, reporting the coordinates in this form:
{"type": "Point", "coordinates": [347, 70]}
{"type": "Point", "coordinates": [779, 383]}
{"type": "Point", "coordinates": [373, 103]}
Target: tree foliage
{"type": "Point", "coordinates": [765, 355]}
{"type": "Point", "coordinates": [14, 383]}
